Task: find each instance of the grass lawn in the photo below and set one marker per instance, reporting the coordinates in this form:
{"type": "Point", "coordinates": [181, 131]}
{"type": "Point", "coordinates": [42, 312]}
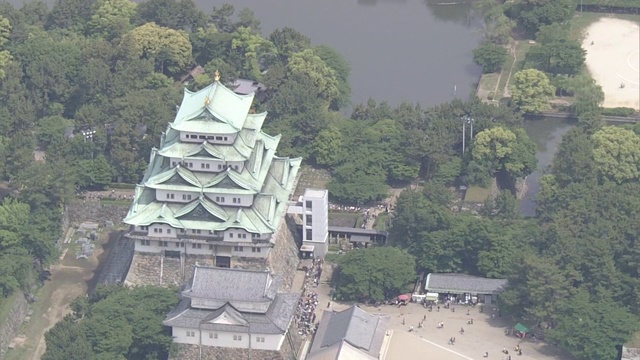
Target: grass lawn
{"type": "Point", "coordinates": [488, 82]}
{"type": "Point", "coordinates": [522, 48]}
{"type": "Point", "coordinates": [381, 222]}
{"type": "Point", "coordinates": [345, 219]}
{"type": "Point", "coordinates": [477, 194]}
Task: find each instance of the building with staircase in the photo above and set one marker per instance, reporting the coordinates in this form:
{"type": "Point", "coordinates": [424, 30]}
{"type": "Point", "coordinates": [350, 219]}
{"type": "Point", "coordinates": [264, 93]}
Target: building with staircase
{"type": "Point", "coordinates": [214, 193]}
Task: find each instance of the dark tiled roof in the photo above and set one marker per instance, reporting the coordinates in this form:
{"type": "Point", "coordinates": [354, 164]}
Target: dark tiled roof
{"type": "Point", "coordinates": [232, 284]}
{"type": "Point", "coordinates": [353, 325]}
{"type": "Point", "coordinates": [462, 283]}
{"type": "Point", "coordinates": [275, 321]}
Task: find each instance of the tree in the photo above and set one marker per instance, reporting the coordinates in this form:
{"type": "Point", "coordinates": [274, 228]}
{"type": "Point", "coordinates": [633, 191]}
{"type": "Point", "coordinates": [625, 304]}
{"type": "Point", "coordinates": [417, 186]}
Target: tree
{"type": "Point", "coordinates": [490, 56]}
{"type": "Point", "coordinates": [342, 69]}
{"type": "Point", "coordinates": [112, 18]}
{"type": "Point", "coordinates": [616, 153]}
{"type": "Point", "coordinates": [574, 160]}
{"type": "Point", "coordinates": [289, 41]}
{"type": "Point", "coordinates": [70, 14]}
{"type": "Point", "coordinates": [533, 14]}
{"type": "Point", "coordinates": [604, 327]}
{"type": "Point", "coordinates": [169, 48]}
{"type": "Point", "coordinates": [531, 91]}
{"type": "Point", "coordinates": [115, 322]}
{"type": "Point", "coordinates": [174, 14]}
{"type": "Point", "coordinates": [251, 49]}
{"type": "Point", "coordinates": [51, 130]}
{"type": "Point", "coordinates": [307, 63]}
{"type": "Point", "coordinates": [376, 273]}
{"type": "Point", "coordinates": [327, 147]}
{"type": "Point", "coordinates": [587, 94]}
{"type": "Point", "coordinates": [502, 150]}
{"type": "Point", "coordinates": [561, 56]}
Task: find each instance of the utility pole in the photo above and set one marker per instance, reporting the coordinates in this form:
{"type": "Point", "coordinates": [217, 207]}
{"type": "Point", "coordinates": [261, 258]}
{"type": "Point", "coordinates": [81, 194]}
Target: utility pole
{"type": "Point", "coordinates": [464, 133]}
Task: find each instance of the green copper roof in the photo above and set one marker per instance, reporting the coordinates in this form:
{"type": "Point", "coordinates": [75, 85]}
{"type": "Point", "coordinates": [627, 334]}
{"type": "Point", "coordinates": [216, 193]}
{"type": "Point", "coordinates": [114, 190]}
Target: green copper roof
{"type": "Point", "coordinates": [214, 101]}
{"type": "Point", "coordinates": [268, 178]}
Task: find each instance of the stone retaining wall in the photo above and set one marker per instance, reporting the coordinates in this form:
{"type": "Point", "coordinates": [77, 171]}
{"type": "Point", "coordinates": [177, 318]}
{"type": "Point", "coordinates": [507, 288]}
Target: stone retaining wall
{"type": "Point", "coordinates": [10, 327]}
{"type": "Point", "coordinates": [283, 258]}
{"type": "Point", "coordinates": [192, 352]}
{"type": "Point", "coordinates": [82, 211]}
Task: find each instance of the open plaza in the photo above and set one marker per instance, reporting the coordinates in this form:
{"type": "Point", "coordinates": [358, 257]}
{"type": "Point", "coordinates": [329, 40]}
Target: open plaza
{"type": "Point", "coordinates": [486, 334]}
{"type": "Point", "coordinates": [613, 60]}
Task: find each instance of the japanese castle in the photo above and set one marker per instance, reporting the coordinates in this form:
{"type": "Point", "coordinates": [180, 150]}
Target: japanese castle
{"type": "Point", "coordinates": [214, 188]}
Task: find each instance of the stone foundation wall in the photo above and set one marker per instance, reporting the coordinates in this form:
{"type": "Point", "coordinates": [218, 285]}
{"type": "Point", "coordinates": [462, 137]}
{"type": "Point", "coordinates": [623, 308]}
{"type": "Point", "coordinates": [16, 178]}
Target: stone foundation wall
{"type": "Point", "coordinates": [191, 352]}
{"type": "Point", "coordinates": [283, 258]}
{"type": "Point", "coordinates": [144, 270]}
{"type": "Point", "coordinates": [82, 211]}
{"type": "Point", "coordinates": [10, 327]}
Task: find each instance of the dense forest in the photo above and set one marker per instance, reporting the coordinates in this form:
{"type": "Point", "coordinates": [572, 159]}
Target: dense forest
{"type": "Point", "coordinates": [91, 84]}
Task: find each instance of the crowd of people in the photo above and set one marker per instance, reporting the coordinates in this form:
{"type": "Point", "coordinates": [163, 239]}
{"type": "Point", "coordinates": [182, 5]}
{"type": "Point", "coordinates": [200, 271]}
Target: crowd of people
{"type": "Point", "coordinates": [306, 312]}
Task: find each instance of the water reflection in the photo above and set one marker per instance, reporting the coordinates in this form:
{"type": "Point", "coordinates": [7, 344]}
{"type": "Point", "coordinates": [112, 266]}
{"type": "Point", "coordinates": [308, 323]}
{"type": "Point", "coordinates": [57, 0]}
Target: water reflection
{"type": "Point", "coordinates": [375, 2]}
{"type": "Point", "coordinates": [547, 133]}
{"type": "Point", "coordinates": [450, 10]}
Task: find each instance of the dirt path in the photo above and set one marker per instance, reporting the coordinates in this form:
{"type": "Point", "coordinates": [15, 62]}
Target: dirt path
{"type": "Point", "coordinates": [506, 92]}
{"type": "Point", "coordinates": [59, 303]}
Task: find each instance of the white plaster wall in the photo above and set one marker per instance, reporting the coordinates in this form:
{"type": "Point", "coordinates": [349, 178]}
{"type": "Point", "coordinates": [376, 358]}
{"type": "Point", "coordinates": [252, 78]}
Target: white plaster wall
{"type": "Point", "coordinates": [161, 195]}
{"type": "Point", "coordinates": [225, 339]}
{"type": "Point", "coordinates": [245, 200]}
{"type": "Point", "coordinates": [164, 231]}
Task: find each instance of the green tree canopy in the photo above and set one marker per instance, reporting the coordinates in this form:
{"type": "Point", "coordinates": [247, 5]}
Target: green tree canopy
{"type": "Point", "coordinates": [490, 56]}
{"type": "Point", "coordinates": [169, 48]}
{"type": "Point", "coordinates": [501, 150]}
{"type": "Point", "coordinates": [376, 273]}
{"type": "Point", "coordinates": [616, 152]}
{"type": "Point", "coordinates": [112, 18]}
{"type": "Point", "coordinates": [531, 91]}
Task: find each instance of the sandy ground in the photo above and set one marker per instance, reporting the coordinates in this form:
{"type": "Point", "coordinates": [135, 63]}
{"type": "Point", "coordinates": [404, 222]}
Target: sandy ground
{"type": "Point", "coordinates": [612, 47]}
{"type": "Point", "coordinates": [430, 343]}
{"type": "Point", "coordinates": [69, 280]}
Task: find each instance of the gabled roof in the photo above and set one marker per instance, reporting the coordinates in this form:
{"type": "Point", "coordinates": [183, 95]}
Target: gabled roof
{"type": "Point", "coordinates": [275, 321]}
{"type": "Point", "coordinates": [231, 285]}
{"type": "Point", "coordinates": [353, 325]}
{"type": "Point", "coordinates": [462, 283]}
{"type": "Point", "coordinates": [340, 351]}
{"type": "Point", "coordinates": [215, 103]}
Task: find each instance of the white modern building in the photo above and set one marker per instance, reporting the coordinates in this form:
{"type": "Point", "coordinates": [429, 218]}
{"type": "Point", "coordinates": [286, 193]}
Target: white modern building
{"type": "Point", "coordinates": [313, 205]}
{"type": "Point", "coordinates": [232, 308]}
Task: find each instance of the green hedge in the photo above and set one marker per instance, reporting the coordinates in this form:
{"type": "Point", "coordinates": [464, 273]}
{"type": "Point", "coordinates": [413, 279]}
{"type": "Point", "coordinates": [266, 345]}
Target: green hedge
{"type": "Point", "coordinates": [619, 111]}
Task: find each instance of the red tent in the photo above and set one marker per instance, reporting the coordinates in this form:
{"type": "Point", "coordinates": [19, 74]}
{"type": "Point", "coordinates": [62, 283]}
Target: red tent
{"type": "Point", "coordinates": [404, 297]}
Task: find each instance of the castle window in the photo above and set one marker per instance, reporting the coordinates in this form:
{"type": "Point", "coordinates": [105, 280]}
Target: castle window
{"type": "Point", "coordinates": [237, 337]}
{"type": "Point", "coordinates": [191, 333]}
{"type": "Point", "coordinates": [231, 235]}
{"type": "Point", "coordinates": [218, 137]}
{"type": "Point", "coordinates": [174, 163]}
{"type": "Point", "coordinates": [168, 231]}
{"type": "Point", "coordinates": [145, 242]}
{"type": "Point", "coordinates": [225, 138]}
{"type": "Point", "coordinates": [219, 167]}
{"type": "Point", "coordinates": [217, 198]}
{"type": "Point", "coordinates": [206, 166]}
{"type": "Point", "coordinates": [243, 236]}
{"type": "Point", "coordinates": [255, 249]}
{"type": "Point", "coordinates": [203, 137]}
{"type": "Point", "coordinates": [163, 243]}
{"type": "Point", "coordinates": [194, 136]}
{"type": "Point", "coordinates": [260, 339]}
{"type": "Point", "coordinates": [213, 335]}
{"type": "Point", "coordinates": [255, 235]}
{"type": "Point", "coordinates": [196, 246]}
{"type": "Point", "coordinates": [238, 248]}
{"type": "Point", "coordinates": [188, 197]}
{"type": "Point", "coordinates": [201, 165]}
{"type": "Point", "coordinates": [177, 244]}
{"type": "Point", "coordinates": [144, 228]}
{"type": "Point", "coordinates": [210, 247]}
